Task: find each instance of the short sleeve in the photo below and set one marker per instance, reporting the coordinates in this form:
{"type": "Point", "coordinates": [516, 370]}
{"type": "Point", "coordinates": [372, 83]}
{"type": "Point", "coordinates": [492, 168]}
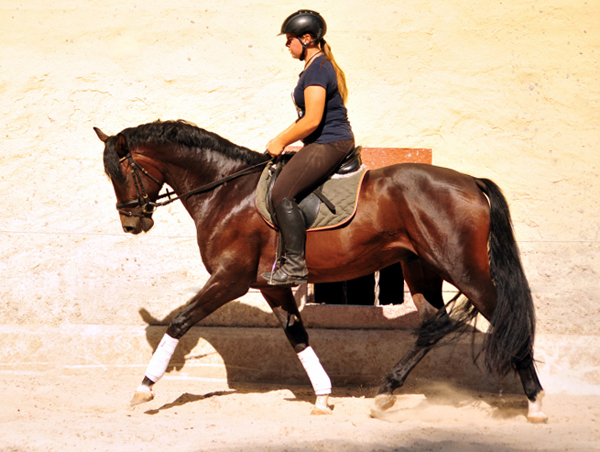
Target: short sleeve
{"type": "Point", "coordinates": [316, 75]}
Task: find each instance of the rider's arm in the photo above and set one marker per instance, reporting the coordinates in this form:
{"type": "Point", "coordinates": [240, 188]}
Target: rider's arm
{"type": "Point", "coordinates": [314, 98]}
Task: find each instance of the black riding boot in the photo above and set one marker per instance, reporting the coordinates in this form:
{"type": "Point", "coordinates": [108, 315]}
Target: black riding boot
{"type": "Point", "coordinates": [293, 230]}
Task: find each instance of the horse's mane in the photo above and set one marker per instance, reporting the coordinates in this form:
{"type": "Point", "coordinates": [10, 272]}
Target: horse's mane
{"type": "Point", "coordinates": [180, 133]}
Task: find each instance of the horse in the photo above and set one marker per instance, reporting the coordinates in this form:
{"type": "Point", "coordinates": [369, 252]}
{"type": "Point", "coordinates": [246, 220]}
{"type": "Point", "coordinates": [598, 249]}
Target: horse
{"type": "Point", "coordinates": [440, 224]}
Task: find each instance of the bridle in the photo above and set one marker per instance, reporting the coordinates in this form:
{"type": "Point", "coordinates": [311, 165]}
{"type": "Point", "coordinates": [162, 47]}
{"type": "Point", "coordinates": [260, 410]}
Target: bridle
{"type": "Point", "coordinates": [143, 200]}
{"type": "Point", "coordinates": [147, 207]}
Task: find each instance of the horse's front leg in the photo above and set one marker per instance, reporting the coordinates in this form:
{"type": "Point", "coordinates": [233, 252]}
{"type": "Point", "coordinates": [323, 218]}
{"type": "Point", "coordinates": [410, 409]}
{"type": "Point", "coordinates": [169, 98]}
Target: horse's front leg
{"type": "Point", "coordinates": [219, 289]}
{"type": "Point", "coordinates": [284, 306]}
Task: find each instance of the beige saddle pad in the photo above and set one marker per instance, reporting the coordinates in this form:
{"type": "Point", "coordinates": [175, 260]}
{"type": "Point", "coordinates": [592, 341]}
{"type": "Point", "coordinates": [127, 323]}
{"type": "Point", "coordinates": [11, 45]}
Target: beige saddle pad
{"type": "Point", "coordinates": [341, 190]}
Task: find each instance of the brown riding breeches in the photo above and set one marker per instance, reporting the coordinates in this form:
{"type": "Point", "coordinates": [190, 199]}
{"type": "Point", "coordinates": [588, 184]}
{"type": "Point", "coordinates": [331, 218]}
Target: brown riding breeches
{"type": "Point", "coordinates": [309, 168]}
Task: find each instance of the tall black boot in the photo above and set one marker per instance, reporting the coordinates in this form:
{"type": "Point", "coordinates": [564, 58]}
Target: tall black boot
{"type": "Point", "coordinates": [293, 230]}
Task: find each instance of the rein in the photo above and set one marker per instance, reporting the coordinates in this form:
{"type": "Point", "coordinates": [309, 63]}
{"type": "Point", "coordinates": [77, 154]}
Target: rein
{"type": "Point", "coordinates": [149, 206]}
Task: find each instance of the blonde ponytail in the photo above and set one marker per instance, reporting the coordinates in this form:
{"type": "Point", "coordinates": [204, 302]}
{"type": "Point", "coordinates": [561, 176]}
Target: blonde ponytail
{"type": "Point", "coordinates": [341, 77]}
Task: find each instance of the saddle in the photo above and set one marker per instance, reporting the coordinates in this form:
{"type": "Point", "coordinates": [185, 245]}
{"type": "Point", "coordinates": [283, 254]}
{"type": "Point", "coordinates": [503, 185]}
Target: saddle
{"type": "Point", "coordinates": [330, 205]}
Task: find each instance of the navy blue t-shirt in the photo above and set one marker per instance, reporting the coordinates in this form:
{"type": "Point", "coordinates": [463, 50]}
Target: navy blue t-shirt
{"type": "Point", "coordinates": [334, 125]}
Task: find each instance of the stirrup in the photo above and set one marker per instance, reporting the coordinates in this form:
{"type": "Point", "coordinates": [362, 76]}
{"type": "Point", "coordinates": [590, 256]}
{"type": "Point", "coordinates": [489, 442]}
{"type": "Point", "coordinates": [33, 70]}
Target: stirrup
{"type": "Point", "coordinates": [290, 281]}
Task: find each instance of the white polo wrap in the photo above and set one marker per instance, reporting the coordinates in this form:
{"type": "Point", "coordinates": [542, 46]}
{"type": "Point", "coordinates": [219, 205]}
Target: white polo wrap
{"type": "Point", "coordinates": [318, 377]}
{"type": "Point", "coordinates": [160, 360]}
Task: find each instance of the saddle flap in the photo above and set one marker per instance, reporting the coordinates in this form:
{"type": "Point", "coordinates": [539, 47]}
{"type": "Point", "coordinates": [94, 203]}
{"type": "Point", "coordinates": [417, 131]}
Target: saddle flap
{"type": "Point", "coordinates": [309, 206]}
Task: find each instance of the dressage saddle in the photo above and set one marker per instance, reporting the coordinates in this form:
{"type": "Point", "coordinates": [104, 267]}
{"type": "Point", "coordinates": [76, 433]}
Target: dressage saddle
{"type": "Point", "coordinates": [310, 204]}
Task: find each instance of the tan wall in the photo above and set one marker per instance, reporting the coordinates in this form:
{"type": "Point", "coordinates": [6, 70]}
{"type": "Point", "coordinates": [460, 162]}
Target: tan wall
{"type": "Point", "coordinates": [506, 90]}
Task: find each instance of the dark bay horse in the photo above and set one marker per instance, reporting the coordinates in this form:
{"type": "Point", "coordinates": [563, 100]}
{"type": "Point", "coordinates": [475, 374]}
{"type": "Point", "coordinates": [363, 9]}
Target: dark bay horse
{"type": "Point", "coordinates": [440, 224]}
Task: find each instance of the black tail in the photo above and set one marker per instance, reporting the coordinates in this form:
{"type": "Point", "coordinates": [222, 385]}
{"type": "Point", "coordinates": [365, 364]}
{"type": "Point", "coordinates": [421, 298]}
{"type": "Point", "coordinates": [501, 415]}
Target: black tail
{"type": "Point", "coordinates": [512, 330]}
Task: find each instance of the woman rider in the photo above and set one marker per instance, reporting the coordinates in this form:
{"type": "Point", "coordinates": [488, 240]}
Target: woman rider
{"type": "Point", "coordinates": [324, 129]}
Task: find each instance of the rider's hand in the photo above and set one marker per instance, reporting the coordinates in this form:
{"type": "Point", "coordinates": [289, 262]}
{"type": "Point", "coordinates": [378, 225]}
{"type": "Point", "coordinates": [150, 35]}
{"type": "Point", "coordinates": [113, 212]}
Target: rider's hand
{"type": "Point", "coordinates": [274, 147]}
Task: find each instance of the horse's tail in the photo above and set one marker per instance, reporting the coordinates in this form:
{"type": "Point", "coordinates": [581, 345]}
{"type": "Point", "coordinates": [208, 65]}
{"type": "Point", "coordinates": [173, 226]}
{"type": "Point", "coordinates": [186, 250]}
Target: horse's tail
{"type": "Point", "coordinates": [512, 327]}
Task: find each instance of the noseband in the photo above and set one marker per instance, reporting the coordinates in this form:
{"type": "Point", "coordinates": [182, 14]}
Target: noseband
{"type": "Point", "coordinates": [147, 206]}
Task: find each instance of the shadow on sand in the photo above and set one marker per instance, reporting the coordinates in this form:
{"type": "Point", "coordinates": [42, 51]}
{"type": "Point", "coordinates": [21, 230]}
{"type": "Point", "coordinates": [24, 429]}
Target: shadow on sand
{"type": "Point", "coordinates": [262, 360]}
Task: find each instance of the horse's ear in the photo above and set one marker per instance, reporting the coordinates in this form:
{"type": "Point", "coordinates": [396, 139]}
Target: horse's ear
{"type": "Point", "coordinates": [121, 146]}
{"type": "Point", "coordinates": [103, 137]}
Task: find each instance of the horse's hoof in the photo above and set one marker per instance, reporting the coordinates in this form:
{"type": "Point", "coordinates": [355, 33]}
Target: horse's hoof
{"type": "Point", "coordinates": [322, 406]}
{"type": "Point", "coordinates": [318, 410]}
{"type": "Point", "coordinates": [537, 418]}
{"type": "Point", "coordinates": [384, 402]}
{"type": "Point", "coordinates": [142, 394]}
{"type": "Point", "coordinates": [534, 410]}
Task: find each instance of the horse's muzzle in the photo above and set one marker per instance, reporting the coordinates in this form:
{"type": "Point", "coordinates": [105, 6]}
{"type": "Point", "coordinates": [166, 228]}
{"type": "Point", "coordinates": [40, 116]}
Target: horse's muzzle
{"type": "Point", "coordinates": [135, 225]}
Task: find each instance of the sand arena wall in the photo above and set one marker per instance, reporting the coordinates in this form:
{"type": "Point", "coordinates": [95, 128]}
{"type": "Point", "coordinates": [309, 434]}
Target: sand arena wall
{"type": "Point", "coordinates": [507, 91]}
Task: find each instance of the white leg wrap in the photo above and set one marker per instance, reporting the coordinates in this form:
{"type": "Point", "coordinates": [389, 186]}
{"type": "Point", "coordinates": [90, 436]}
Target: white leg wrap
{"type": "Point", "coordinates": [160, 360]}
{"type": "Point", "coordinates": [318, 377]}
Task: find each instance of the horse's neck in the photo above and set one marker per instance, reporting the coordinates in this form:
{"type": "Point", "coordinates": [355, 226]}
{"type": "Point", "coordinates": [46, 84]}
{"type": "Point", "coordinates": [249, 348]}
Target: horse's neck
{"type": "Point", "coordinates": [184, 175]}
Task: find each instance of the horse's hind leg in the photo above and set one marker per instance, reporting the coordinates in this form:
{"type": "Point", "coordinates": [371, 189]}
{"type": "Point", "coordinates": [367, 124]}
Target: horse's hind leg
{"type": "Point", "coordinates": [285, 309]}
{"type": "Point", "coordinates": [533, 390]}
{"type": "Point", "coordinates": [426, 289]}
{"type": "Point", "coordinates": [480, 291]}
{"type": "Point", "coordinates": [471, 275]}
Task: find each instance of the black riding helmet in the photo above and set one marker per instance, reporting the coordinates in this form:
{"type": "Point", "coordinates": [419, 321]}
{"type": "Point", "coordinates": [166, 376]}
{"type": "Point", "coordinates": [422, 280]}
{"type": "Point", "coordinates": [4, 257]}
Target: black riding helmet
{"type": "Point", "coordinates": [303, 22]}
